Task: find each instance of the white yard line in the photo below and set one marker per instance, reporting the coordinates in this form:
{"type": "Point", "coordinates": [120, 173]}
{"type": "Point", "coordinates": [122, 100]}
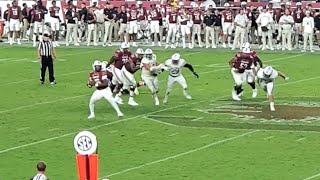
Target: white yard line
{"type": "Point", "coordinates": [267, 138]}
{"type": "Point", "coordinates": [301, 139]}
{"type": "Point", "coordinates": [113, 131]}
{"type": "Point", "coordinates": [197, 119]}
{"type": "Point", "coordinates": [181, 154]}
{"type": "Point", "coordinates": [312, 177]}
{"type": "Point", "coordinates": [161, 122]}
{"type": "Point", "coordinates": [173, 134]}
{"type": "Point", "coordinates": [142, 133]}
{"type": "Point", "coordinates": [206, 135]}
{"type": "Point", "coordinates": [53, 129]}
{"type": "Point", "coordinates": [24, 128]}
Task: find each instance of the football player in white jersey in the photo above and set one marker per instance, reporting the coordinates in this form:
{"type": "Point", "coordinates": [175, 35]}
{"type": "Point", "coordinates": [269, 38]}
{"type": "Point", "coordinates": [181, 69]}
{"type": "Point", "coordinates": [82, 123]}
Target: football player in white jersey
{"type": "Point", "coordinates": [150, 69]}
{"type": "Point", "coordinates": [174, 66]}
{"type": "Point", "coordinates": [266, 77]}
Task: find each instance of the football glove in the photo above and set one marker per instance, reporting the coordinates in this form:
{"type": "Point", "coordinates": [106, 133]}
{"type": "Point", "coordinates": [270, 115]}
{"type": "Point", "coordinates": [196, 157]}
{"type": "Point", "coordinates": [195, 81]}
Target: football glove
{"type": "Point", "coordinates": [195, 74]}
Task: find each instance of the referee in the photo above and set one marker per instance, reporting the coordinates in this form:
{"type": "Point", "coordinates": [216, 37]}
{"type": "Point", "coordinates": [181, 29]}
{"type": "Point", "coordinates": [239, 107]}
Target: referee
{"type": "Point", "coordinates": [46, 56]}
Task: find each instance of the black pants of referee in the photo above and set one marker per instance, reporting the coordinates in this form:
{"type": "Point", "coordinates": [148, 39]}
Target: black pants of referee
{"type": "Point", "coordinates": [46, 61]}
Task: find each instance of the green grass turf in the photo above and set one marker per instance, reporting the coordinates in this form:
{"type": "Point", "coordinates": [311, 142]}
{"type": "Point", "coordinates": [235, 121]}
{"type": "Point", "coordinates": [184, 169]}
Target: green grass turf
{"type": "Point", "coordinates": [38, 122]}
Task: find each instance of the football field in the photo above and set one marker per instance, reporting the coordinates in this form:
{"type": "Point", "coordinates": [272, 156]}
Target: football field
{"type": "Point", "coordinates": [208, 137]}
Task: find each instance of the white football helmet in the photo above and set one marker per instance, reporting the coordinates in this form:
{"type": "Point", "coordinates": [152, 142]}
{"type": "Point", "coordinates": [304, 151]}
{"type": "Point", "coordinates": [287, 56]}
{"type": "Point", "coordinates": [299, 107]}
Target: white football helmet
{"type": "Point", "coordinates": [226, 5]}
{"type": "Point", "coordinates": [246, 48]}
{"type": "Point", "coordinates": [124, 46]}
{"type": "Point", "coordinates": [96, 63]}
{"type": "Point", "coordinates": [175, 56]}
{"type": "Point", "coordinates": [267, 71]}
{"type": "Point", "coordinates": [298, 4]}
{"type": "Point", "coordinates": [104, 65]}
{"type": "Point", "coordinates": [149, 53]}
{"type": "Point", "coordinates": [139, 51]}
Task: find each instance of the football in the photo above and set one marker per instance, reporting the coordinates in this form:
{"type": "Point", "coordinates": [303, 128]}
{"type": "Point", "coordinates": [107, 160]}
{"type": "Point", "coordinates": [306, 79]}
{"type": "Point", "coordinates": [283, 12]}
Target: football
{"type": "Point", "coordinates": [91, 83]}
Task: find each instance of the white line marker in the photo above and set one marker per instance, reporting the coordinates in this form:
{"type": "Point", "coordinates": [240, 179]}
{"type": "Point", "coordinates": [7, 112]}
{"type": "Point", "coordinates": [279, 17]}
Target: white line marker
{"type": "Point", "coordinates": [301, 139]}
{"type": "Point", "coordinates": [206, 135]}
{"type": "Point", "coordinates": [53, 129]}
{"type": "Point", "coordinates": [181, 154]}
{"type": "Point", "coordinates": [197, 119]}
{"type": "Point", "coordinates": [173, 134]}
{"type": "Point", "coordinates": [142, 133]}
{"type": "Point", "coordinates": [267, 138]}
{"type": "Point", "coordinates": [161, 122]}
{"type": "Point", "coordinates": [113, 131]}
{"type": "Point", "coordinates": [165, 116]}
{"type": "Point", "coordinates": [24, 128]}
{"type": "Point", "coordinates": [312, 177]}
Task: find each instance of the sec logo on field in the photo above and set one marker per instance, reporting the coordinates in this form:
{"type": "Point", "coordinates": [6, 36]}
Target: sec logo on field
{"type": "Point", "coordinates": [85, 143]}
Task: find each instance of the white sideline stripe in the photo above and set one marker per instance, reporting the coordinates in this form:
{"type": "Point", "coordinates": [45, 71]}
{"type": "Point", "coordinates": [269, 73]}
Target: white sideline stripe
{"type": "Point", "coordinates": [301, 139]}
{"type": "Point", "coordinates": [164, 116]}
{"type": "Point", "coordinates": [312, 177]}
{"type": "Point", "coordinates": [142, 133]}
{"type": "Point", "coordinates": [181, 154]}
{"type": "Point", "coordinates": [173, 134]}
{"type": "Point", "coordinates": [197, 119]}
{"type": "Point", "coordinates": [114, 131]}
{"type": "Point", "coordinates": [161, 122]}
{"type": "Point", "coordinates": [78, 72]}
{"type": "Point", "coordinates": [96, 127]}
{"type": "Point", "coordinates": [24, 128]}
{"type": "Point", "coordinates": [267, 138]}
{"type": "Point", "coordinates": [53, 129]}
{"type": "Point", "coordinates": [206, 135]}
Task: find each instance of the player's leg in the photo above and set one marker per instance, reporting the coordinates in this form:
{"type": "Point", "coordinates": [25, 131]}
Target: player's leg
{"type": "Point", "coordinates": [237, 90]}
{"type": "Point", "coordinates": [305, 41]}
{"type": "Point", "coordinates": [188, 33]}
{"type": "Point", "coordinates": [182, 81]}
{"type": "Point", "coordinates": [270, 38]}
{"type": "Point", "coordinates": [169, 32]}
{"type": "Point", "coordinates": [236, 38]}
{"type": "Point", "coordinates": [264, 40]}
{"type": "Point", "coordinates": [106, 32]}
{"type": "Point", "coordinates": [155, 84]}
{"type": "Point", "coordinates": [170, 82]}
{"type": "Point", "coordinates": [35, 33]}
{"type": "Point", "coordinates": [129, 84]}
{"type": "Point", "coordinates": [193, 36]}
{"type": "Point", "coordinates": [95, 32]}
{"type": "Point", "coordinates": [173, 35]}
{"type": "Point", "coordinates": [207, 36]}
{"type": "Point", "coordinates": [134, 35]}
{"type": "Point", "coordinates": [157, 31]}
{"type": "Point", "coordinates": [224, 35]}
{"type": "Point", "coordinates": [289, 40]}
{"type": "Point", "coordinates": [311, 41]}
{"type": "Point", "coordinates": [230, 30]}
{"type": "Point", "coordinates": [183, 35]}
{"type": "Point", "coordinates": [17, 31]}
{"type": "Point", "coordinates": [97, 95]}
{"type": "Point", "coordinates": [213, 37]}
{"type": "Point", "coordinates": [108, 96]}
{"type": "Point", "coordinates": [269, 87]}
{"type": "Point", "coordinates": [40, 31]}
{"type": "Point", "coordinates": [251, 82]}
{"type": "Point", "coordinates": [90, 30]}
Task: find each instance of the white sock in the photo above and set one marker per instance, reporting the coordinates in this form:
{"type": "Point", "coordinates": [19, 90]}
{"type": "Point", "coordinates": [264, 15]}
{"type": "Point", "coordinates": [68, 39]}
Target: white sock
{"type": "Point", "coordinates": [114, 105]}
{"type": "Point", "coordinates": [91, 107]}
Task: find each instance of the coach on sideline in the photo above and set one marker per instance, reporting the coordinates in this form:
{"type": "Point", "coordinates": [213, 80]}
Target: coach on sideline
{"type": "Point", "coordinates": [46, 56]}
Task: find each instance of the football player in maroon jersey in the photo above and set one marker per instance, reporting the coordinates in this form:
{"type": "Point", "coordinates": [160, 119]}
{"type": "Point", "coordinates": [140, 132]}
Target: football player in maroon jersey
{"type": "Point", "coordinates": [14, 18]}
{"type": "Point", "coordinates": [154, 17]}
{"type": "Point", "coordinates": [119, 58]}
{"type": "Point", "coordinates": [37, 21]}
{"type": "Point", "coordinates": [227, 21]}
{"type": "Point", "coordinates": [298, 16]}
{"type": "Point", "coordinates": [183, 20]}
{"type": "Point", "coordinates": [133, 24]}
{"type": "Point", "coordinates": [55, 22]}
{"type": "Point", "coordinates": [197, 19]}
{"type": "Point", "coordinates": [243, 70]}
{"type": "Point", "coordinates": [171, 19]}
{"type": "Point", "coordinates": [99, 79]}
{"type": "Point", "coordinates": [128, 69]}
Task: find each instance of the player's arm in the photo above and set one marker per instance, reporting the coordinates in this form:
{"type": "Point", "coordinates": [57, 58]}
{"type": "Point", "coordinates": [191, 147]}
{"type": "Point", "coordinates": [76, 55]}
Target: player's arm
{"type": "Point", "coordinates": [231, 62]}
{"type": "Point", "coordinates": [112, 60]}
{"type": "Point", "coordinates": [146, 66]}
{"type": "Point", "coordinates": [9, 14]}
{"type": "Point", "coordinates": [190, 67]}
{"type": "Point", "coordinates": [281, 74]}
{"type": "Point", "coordinates": [90, 82]}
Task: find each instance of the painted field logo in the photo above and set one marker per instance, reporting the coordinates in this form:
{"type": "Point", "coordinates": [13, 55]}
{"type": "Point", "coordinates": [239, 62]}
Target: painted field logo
{"type": "Point", "coordinates": [283, 112]}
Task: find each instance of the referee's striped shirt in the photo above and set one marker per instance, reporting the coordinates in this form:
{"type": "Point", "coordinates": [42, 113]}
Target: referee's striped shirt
{"type": "Point", "coordinates": [40, 176]}
{"type": "Point", "coordinates": [45, 48]}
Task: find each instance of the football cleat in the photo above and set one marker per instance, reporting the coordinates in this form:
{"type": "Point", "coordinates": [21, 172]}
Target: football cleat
{"type": "Point", "coordinates": [91, 116]}
{"type": "Point", "coordinates": [254, 93]}
{"type": "Point", "coordinates": [131, 102]}
{"type": "Point", "coordinates": [235, 96]}
{"type": "Point", "coordinates": [120, 114]}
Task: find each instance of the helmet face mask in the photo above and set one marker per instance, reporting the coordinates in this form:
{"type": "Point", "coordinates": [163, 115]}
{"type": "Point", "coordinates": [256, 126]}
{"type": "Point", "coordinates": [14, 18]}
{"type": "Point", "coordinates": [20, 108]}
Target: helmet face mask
{"type": "Point", "coordinates": [140, 53]}
{"type": "Point", "coordinates": [175, 58]}
{"type": "Point", "coordinates": [267, 71]}
{"type": "Point", "coordinates": [97, 66]}
{"type": "Point", "coordinates": [149, 54]}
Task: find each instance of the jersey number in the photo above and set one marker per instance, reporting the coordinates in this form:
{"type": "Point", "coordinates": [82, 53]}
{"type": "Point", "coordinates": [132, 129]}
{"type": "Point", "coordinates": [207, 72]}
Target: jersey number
{"type": "Point", "coordinates": [15, 12]}
{"type": "Point", "coordinates": [174, 71]}
{"type": "Point", "coordinates": [243, 65]}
